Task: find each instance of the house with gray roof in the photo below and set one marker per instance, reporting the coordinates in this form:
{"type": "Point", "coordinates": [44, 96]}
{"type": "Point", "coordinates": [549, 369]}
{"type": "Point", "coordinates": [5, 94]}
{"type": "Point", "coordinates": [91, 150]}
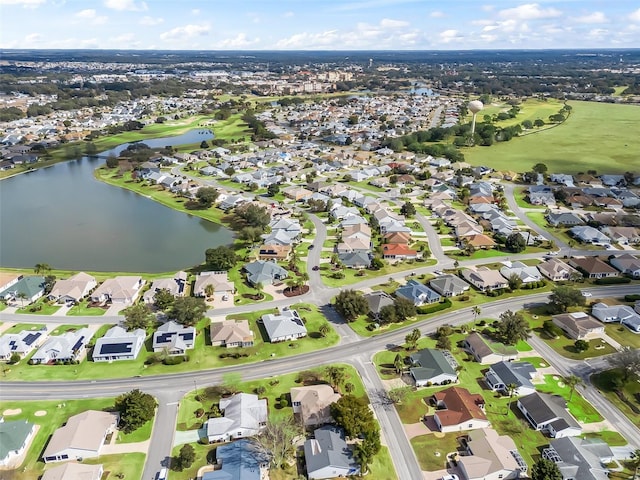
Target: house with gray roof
{"type": "Point", "coordinates": [449, 285]}
{"type": "Point", "coordinates": [327, 455]}
{"type": "Point", "coordinates": [118, 344]}
{"type": "Point", "coordinates": [564, 219]}
{"type": "Point", "coordinates": [549, 413]}
{"type": "Point", "coordinates": [627, 264]}
{"type": "Point", "coordinates": [74, 471]}
{"type": "Point", "coordinates": [175, 286]}
{"type": "Point", "coordinates": [526, 273]}
{"type": "Point", "coordinates": [431, 366]}
{"type": "Point", "coordinates": [490, 456]}
{"type": "Point", "coordinates": [520, 374]}
{"type": "Point", "coordinates": [556, 270]}
{"type": "Point", "coordinates": [376, 301]}
{"type": "Point", "coordinates": [580, 458]}
{"type": "Point", "coordinates": [239, 460]}
{"type": "Point", "coordinates": [69, 346]}
{"type": "Point", "coordinates": [174, 338]}
{"type": "Point", "coordinates": [485, 351]}
{"type": "Point", "coordinates": [355, 259]}
{"type": "Point", "coordinates": [587, 234]}
{"type": "Point", "coordinates": [15, 438]}
{"type": "Point", "coordinates": [243, 415]}
{"type": "Point", "coordinates": [623, 314]}
{"type": "Point", "coordinates": [264, 272]}
{"type": "Point", "coordinates": [283, 326]}
{"type": "Point", "coordinates": [21, 343]}
{"type": "Point", "coordinates": [578, 325]}
{"type": "Point", "coordinates": [418, 293]}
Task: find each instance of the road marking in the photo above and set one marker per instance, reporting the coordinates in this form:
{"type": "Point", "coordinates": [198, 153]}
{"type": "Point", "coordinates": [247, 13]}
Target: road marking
{"type": "Point", "coordinates": [172, 403]}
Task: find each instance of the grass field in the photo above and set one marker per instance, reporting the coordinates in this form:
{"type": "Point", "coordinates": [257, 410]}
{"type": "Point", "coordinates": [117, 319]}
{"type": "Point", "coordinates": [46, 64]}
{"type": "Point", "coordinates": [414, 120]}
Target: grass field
{"type": "Point", "coordinates": [603, 381]}
{"type": "Point", "coordinates": [596, 136]}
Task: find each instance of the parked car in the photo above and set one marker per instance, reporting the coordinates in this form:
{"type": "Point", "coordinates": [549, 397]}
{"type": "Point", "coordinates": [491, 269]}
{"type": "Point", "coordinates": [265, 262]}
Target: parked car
{"type": "Point", "coordinates": [311, 246]}
{"type": "Point", "coordinates": [586, 294]}
{"type": "Point", "coordinates": [453, 476]}
{"type": "Point", "coordinates": [162, 474]}
{"type": "Point", "coordinates": [315, 268]}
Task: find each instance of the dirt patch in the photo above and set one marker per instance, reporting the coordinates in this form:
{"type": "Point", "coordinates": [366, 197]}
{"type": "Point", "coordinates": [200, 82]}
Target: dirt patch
{"type": "Point", "coordinates": [12, 411]}
{"type": "Point", "coordinates": [40, 413]}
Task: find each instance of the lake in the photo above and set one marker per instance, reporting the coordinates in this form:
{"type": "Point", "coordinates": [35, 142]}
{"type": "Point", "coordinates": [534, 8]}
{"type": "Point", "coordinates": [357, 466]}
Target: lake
{"type": "Point", "coordinates": [63, 216]}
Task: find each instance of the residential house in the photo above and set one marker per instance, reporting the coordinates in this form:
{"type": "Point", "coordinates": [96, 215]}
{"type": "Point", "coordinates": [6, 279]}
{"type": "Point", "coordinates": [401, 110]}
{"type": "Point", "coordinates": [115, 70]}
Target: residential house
{"type": "Point", "coordinates": [175, 286]}
{"type": "Point", "coordinates": [174, 338]}
{"type": "Point", "coordinates": [264, 272]}
{"type": "Point", "coordinates": [397, 251]}
{"type": "Point", "coordinates": [526, 273]}
{"type": "Point", "coordinates": [558, 271]}
{"type": "Point", "coordinates": [484, 279]}
{"type": "Point", "coordinates": [417, 293]}
{"type": "Point", "coordinates": [327, 455]}
{"type": "Point", "coordinates": [69, 346]}
{"type": "Point", "coordinates": [283, 326]}
{"type": "Point", "coordinates": [239, 460]}
{"type": "Point", "coordinates": [519, 374]}
{"type": "Point", "coordinates": [564, 219]}
{"type": "Point", "coordinates": [377, 300]}
{"type": "Point", "coordinates": [274, 252]}
{"type": "Point", "coordinates": [15, 439]}
{"type": "Point", "coordinates": [73, 289]}
{"type": "Point", "coordinates": [354, 244]}
{"type": "Point", "coordinates": [479, 240]}
{"type": "Point", "coordinates": [623, 314]}
{"type": "Point", "coordinates": [432, 367]}
{"type": "Point", "coordinates": [290, 228]}
{"type": "Point", "coordinates": [74, 471]}
{"type": "Point", "coordinates": [118, 344]}
{"type": "Point", "coordinates": [402, 238]}
{"type": "Point", "coordinates": [485, 351]}
{"type": "Point", "coordinates": [627, 264]}
{"type": "Point", "coordinates": [623, 235]}
{"type": "Point", "coordinates": [541, 195]}
{"type": "Point", "coordinates": [120, 290]}
{"type": "Point", "coordinates": [549, 413]}
{"type": "Point", "coordinates": [297, 193]}
{"type": "Point", "coordinates": [243, 415]}
{"type": "Point", "coordinates": [578, 325]}
{"type": "Point", "coordinates": [26, 290]}
{"type": "Point", "coordinates": [355, 259]}
{"type": "Point", "coordinates": [593, 267]}
{"type": "Point", "coordinates": [222, 286]}
{"type": "Point", "coordinates": [490, 456]}
{"type": "Point", "coordinates": [9, 279]}
{"type": "Point", "coordinates": [312, 403]}
{"type": "Point", "coordinates": [449, 285]}
{"type": "Point", "coordinates": [231, 333]}
{"type": "Point", "coordinates": [580, 458]}
{"type": "Point", "coordinates": [21, 343]}
{"type": "Point", "coordinates": [81, 437]}
{"type": "Point", "coordinates": [457, 409]}
{"type": "Point", "coordinates": [587, 234]}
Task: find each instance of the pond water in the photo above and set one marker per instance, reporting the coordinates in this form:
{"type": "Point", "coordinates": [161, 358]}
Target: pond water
{"type": "Point", "coordinates": [63, 216]}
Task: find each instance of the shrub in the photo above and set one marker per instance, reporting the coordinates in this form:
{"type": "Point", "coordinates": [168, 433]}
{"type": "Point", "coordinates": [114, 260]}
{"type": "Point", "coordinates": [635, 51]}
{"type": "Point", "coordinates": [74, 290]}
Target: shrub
{"type": "Point", "coordinates": [337, 275]}
{"type": "Point", "coordinates": [434, 308]}
{"type": "Point", "coordinates": [552, 329]}
{"type": "Point", "coordinates": [632, 298]}
{"type": "Point", "coordinates": [178, 359]}
{"type": "Point", "coordinates": [612, 280]}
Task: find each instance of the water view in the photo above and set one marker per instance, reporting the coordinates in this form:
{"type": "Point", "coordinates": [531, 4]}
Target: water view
{"type": "Point", "coordinates": [63, 216]}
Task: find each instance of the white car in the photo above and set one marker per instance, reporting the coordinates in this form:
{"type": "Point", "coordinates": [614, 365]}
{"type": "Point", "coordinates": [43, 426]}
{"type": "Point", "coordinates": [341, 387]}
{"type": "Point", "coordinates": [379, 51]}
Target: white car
{"type": "Point", "coordinates": [453, 476]}
{"type": "Point", "coordinates": [586, 294]}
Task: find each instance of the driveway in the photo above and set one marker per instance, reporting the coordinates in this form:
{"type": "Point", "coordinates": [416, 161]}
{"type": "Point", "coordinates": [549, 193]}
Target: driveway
{"type": "Point", "coordinates": [189, 436]}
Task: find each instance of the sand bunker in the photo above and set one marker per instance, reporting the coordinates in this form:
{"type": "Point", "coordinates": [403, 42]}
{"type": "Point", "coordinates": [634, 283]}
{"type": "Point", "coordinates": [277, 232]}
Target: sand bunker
{"type": "Point", "coordinates": [12, 411]}
{"type": "Point", "coordinates": [40, 413]}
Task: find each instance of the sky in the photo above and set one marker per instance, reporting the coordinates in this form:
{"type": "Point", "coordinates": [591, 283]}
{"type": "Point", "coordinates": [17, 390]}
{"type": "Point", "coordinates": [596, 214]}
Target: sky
{"type": "Point", "coordinates": [319, 24]}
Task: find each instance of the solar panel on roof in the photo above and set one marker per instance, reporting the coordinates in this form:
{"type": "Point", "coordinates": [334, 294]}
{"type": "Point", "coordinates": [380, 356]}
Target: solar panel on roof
{"type": "Point", "coordinates": [32, 337]}
{"type": "Point", "coordinates": [187, 336]}
{"type": "Point", "coordinates": [78, 344]}
{"type": "Point", "coordinates": [115, 348]}
{"type": "Point", "coordinates": [165, 337]}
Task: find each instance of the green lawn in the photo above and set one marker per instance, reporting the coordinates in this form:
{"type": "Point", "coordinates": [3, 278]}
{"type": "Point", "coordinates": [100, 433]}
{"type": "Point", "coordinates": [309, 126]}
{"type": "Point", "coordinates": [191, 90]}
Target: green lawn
{"type": "Point", "coordinates": [520, 194]}
{"type": "Point", "coordinates": [66, 328]}
{"type": "Point", "coordinates": [354, 276]}
{"type": "Point", "coordinates": [582, 410]}
{"type": "Point", "coordinates": [432, 450]}
{"type": "Point", "coordinates": [613, 439]}
{"type": "Point", "coordinates": [572, 146]}
{"type": "Point", "coordinates": [46, 308]}
{"type": "Point", "coordinates": [83, 309]}
{"type": "Point", "coordinates": [623, 335]}
{"type": "Point", "coordinates": [140, 435]}
{"type": "Point", "coordinates": [603, 381]}
{"type": "Point", "coordinates": [19, 327]}
{"type": "Point", "coordinates": [491, 253]}
{"type": "Point", "coordinates": [127, 466]}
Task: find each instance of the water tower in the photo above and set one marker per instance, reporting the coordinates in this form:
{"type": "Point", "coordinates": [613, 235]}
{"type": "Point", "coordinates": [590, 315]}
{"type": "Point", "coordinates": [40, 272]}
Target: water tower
{"type": "Point", "coordinates": [474, 107]}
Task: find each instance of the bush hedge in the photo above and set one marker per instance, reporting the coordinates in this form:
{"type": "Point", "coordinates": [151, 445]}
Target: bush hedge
{"type": "Point", "coordinates": [424, 310]}
{"type": "Point", "coordinates": [612, 280]}
{"type": "Point", "coordinates": [632, 298]}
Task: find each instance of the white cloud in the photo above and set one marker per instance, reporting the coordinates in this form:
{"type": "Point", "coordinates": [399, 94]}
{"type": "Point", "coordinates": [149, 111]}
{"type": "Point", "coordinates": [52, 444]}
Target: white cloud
{"type": "Point", "coordinates": [529, 11]}
{"type": "Point", "coordinates": [91, 16]}
{"type": "Point", "coordinates": [595, 17]}
{"type": "Point", "coordinates": [186, 31]}
{"type": "Point", "coordinates": [437, 14]}
{"type": "Point", "coordinates": [449, 36]}
{"type": "Point", "coordinates": [24, 3]}
{"type": "Point", "coordinates": [635, 16]}
{"type": "Point", "coordinates": [238, 42]}
{"type": "Point", "coordinates": [488, 8]}
{"type": "Point", "coordinates": [389, 23]}
{"type": "Point", "coordinates": [151, 21]}
{"type": "Point", "coordinates": [33, 38]}
{"type": "Point", "coordinates": [288, 14]}
{"type": "Point", "coordinates": [129, 5]}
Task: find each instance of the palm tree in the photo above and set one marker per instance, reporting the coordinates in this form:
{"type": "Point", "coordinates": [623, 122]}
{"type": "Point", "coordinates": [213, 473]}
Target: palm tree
{"type": "Point", "coordinates": [259, 287]}
{"type": "Point", "coordinates": [572, 381]}
{"type": "Point", "coordinates": [349, 387]}
{"type": "Point", "coordinates": [476, 311]}
{"type": "Point", "coordinates": [22, 296]}
{"type": "Point", "coordinates": [209, 290]}
{"type": "Point", "coordinates": [304, 276]}
{"type": "Point", "coordinates": [291, 283]}
{"type": "Point", "coordinates": [635, 463]}
{"type": "Point", "coordinates": [42, 267]}
{"type": "Point", "coordinates": [511, 389]}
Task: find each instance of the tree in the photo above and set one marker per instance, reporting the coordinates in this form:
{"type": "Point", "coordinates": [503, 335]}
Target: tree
{"type": "Point", "coordinates": [627, 360]}
{"type": "Point", "coordinates": [572, 381]}
{"type": "Point", "coordinates": [476, 311]}
{"type": "Point", "coordinates": [545, 470]}
{"type": "Point", "coordinates": [399, 395]}
{"type": "Point", "coordinates": [41, 268]}
{"type": "Point", "coordinates": [515, 282]}
{"type": "Point", "coordinates": [163, 299]}
{"type": "Point", "coordinates": [538, 122]}
{"type": "Point", "coordinates": [14, 358]}
{"type": "Point", "coordinates": [349, 387]}
{"type": "Point", "coordinates": [136, 408]}
{"type": "Point", "coordinates": [512, 388]}
{"type": "Point", "coordinates": [635, 463]}
{"type": "Point", "coordinates": [277, 438]}
{"type": "Point", "coordinates": [187, 310]}
{"type": "Point", "coordinates": [444, 343]}
{"type": "Point", "coordinates": [204, 144]}
{"type": "Point", "coordinates": [209, 290]}
{"type": "Point", "coordinates": [336, 376]}
{"type": "Point", "coordinates": [564, 296]}
{"type": "Point", "coordinates": [412, 338]}
{"type": "Point", "coordinates": [250, 234]}
{"type": "Point", "coordinates": [513, 327]}
{"type": "Point", "coordinates": [408, 209]}
{"type": "Point", "coordinates": [515, 243]}
{"type": "Point", "coordinates": [353, 414]}
{"type": "Point", "coordinates": [404, 308]}
{"type": "Point", "coordinates": [137, 316]}
{"type": "Point", "coordinates": [273, 189]}
{"type": "Point", "coordinates": [207, 196]}
{"type": "Point", "coordinates": [220, 258]}
{"type": "Point", "coordinates": [22, 297]}
{"type": "Point", "coordinates": [184, 459]}
{"type": "Point", "coordinates": [387, 315]}
{"type": "Point", "coordinates": [398, 364]}
{"type": "Point", "coordinates": [581, 346]}
{"type": "Point", "coordinates": [351, 304]}
{"type": "Point", "coordinates": [366, 450]}
{"type": "Point", "coordinates": [112, 161]}
{"type": "Point", "coordinates": [90, 148]}
{"type": "Point", "coordinates": [540, 168]}
{"type": "Point", "coordinates": [250, 215]}
{"type": "Point", "coordinates": [323, 330]}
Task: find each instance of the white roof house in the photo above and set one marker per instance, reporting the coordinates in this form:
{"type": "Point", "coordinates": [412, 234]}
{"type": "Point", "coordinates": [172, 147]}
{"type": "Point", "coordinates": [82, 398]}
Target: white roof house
{"type": "Point", "coordinates": [73, 289]}
{"type": "Point", "coordinates": [174, 337]}
{"type": "Point", "coordinates": [219, 281]}
{"type": "Point", "coordinates": [286, 325]}
{"type": "Point", "coordinates": [244, 415]}
{"type": "Point", "coordinates": [121, 289]}
{"type": "Point", "coordinates": [66, 347]}
{"type": "Point", "coordinates": [617, 313]}
{"type": "Point", "coordinates": [175, 286]}
{"type": "Point", "coordinates": [118, 344]}
{"type": "Point", "coordinates": [21, 343]}
{"type": "Point", "coordinates": [74, 471]}
{"type": "Point", "coordinates": [524, 272]}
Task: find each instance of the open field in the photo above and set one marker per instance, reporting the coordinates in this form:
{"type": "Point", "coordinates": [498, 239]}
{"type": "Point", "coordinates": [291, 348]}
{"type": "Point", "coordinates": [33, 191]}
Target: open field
{"type": "Point", "coordinates": [596, 136]}
{"type": "Point", "coordinates": [530, 109]}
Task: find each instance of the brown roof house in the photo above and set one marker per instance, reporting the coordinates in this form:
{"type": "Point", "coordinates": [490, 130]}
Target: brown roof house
{"type": "Point", "coordinates": [490, 456]}
{"type": "Point", "coordinates": [484, 279]}
{"type": "Point", "coordinates": [312, 403]}
{"type": "Point", "coordinates": [274, 252]}
{"type": "Point", "coordinates": [457, 409]}
{"type": "Point", "coordinates": [593, 267]}
{"type": "Point", "coordinates": [230, 333]}
{"type": "Point", "coordinates": [81, 437]}
{"type": "Point", "coordinates": [556, 270]}
{"type": "Point", "coordinates": [579, 325]}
